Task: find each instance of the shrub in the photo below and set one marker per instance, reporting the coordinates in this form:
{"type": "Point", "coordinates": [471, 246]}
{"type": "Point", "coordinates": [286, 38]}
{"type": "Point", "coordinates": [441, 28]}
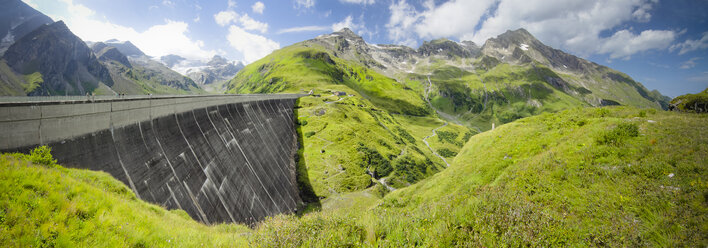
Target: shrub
{"type": "Point", "coordinates": [447, 153]}
{"type": "Point", "coordinates": [309, 134]}
{"type": "Point", "coordinates": [41, 155]}
{"type": "Point", "coordinates": [449, 137]}
{"type": "Point", "coordinates": [405, 135]}
{"type": "Point", "coordinates": [618, 134]}
{"type": "Point", "coordinates": [372, 159]}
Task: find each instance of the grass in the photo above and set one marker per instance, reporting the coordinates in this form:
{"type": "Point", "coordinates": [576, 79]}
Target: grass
{"type": "Point", "coordinates": [47, 206]}
{"type": "Point", "coordinates": [548, 180]}
{"type": "Point", "coordinates": [12, 83]}
{"type": "Point", "coordinates": [300, 68]}
{"type": "Point", "coordinates": [695, 103]}
{"type": "Point", "coordinates": [347, 141]}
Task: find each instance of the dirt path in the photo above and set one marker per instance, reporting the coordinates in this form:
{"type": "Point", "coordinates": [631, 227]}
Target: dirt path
{"type": "Point", "coordinates": [425, 140]}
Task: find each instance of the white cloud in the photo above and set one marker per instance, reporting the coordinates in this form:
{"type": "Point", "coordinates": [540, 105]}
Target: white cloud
{"type": "Point", "coordinates": [303, 29]}
{"type": "Point", "coordinates": [438, 21]}
{"type": "Point", "coordinates": [642, 14]}
{"type": "Point", "coordinates": [346, 23]}
{"type": "Point", "coordinates": [358, 27]}
{"type": "Point", "coordinates": [158, 40]}
{"type": "Point", "coordinates": [232, 4]}
{"type": "Point", "coordinates": [224, 18]}
{"type": "Point", "coordinates": [623, 43]}
{"type": "Point", "coordinates": [252, 46]}
{"type": "Point", "coordinates": [690, 63]}
{"type": "Point", "coordinates": [197, 19]}
{"type": "Point", "coordinates": [365, 2]}
{"type": "Point", "coordinates": [572, 25]}
{"type": "Point", "coordinates": [168, 3]}
{"type": "Point", "coordinates": [401, 23]}
{"type": "Point", "coordinates": [227, 17]}
{"type": "Point", "coordinates": [691, 45]}
{"type": "Point", "coordinates": [258, 7]}
{"type": "Point", "coordinates": [304, 4]}
{"type": "Point", "coordinates": [249, 24]}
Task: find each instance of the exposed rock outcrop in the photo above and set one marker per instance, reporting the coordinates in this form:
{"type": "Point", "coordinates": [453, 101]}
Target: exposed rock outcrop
{"type": "Point", "coordinates": [66, 64]}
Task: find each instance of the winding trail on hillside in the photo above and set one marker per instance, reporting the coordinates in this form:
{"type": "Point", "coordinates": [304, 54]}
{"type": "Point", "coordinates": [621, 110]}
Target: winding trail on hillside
{"type": "Point", "coordinates": [425, 140]}
{"type": "Point", "coordinates": [341, 98]}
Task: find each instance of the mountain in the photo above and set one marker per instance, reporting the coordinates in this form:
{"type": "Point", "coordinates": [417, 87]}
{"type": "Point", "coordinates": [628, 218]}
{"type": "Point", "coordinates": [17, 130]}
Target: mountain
{"type": "Point", "coordinates": [211, 75]}
{"type": "Point", "coordinates": [125, 47]}
{"type": "Point", "coordinates": [405, 113]}
{"type": "Point", "coordinates": [511, 76]}
{"type": "Point", "coordinates": [53, 61]}
{"type": "Point", "coordinates": [215, 74]}
{"type": "Point", "coordinates": [16, 20]}
{"type": "Point", "coordinates": [139, 74]}
{"type": "Point", "coordinates": [48, 59]}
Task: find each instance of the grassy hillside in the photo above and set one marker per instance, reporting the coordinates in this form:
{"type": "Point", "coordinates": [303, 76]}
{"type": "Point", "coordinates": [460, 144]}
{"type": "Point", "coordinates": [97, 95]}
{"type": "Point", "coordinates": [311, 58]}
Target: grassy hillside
{"type": "Point", "coordinates": [499, 95]}
{"type": "Point", "coordinates": [301, 68]}
{"type": "Point", "coordinates": [47, 205]}
{"type": "Point", "coordinates": [358, 141]}
{"type": "Point", "coordinates": [142, 79]}
{"type": "Point", "coordinates": [697, 103]}
{"type": "Point", "coordinates": [348, 141]}
{"type": "Point", "coordinates": [585, 177]}
{"type": "Point", "coordinates": [12, 84]}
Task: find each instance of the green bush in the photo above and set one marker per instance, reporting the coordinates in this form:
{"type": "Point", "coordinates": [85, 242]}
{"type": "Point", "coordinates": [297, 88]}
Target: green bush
{"type": "Point", "coordinates": [618, 134]}
{"type": "Point", "coordinates": [372, 159]}
{"type": "Point", "coordinates": [405, 135]}
{"type": "Point", "coordinates": [447, 153]}
{"type": "Point", "coordinates": [309, 134]}
{"type": "Point", "coordinates": [39, 155]}
{"type": "Point", "coordinates": [449, 137]}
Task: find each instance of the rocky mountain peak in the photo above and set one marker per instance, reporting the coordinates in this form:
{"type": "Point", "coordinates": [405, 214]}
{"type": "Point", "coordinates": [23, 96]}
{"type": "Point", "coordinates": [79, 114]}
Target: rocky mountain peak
{"type": "Point", "coordinates": [125, 47]}
{"type": "Point", "coordinates": [111, 53]}
{"type": "Point", "coordinates": [217, 61]}
{"type": "Point", "coordinates": [448, 48]}
{"type": "Point", "coordinates": [348, 33]}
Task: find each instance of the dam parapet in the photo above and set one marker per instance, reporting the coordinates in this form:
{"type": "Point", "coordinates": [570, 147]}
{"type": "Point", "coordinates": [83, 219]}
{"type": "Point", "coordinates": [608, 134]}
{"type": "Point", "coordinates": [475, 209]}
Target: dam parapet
{"type": "Point", "coordinates": [220, 158]}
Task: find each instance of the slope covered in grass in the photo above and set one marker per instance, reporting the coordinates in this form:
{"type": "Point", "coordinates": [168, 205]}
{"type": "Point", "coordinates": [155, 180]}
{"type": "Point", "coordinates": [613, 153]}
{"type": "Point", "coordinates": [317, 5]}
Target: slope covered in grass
{"type": "Point", "coordinates": [47, 206]}
{"type": "Point", "coordinates": [608, 176]}
{"type": "Point", "coordinates": [584, 177]}
{"type": "Point", "coordinates": [302, 67]}
{"type": "Point", "coordinates": [697, 103]}
{"type": "Point", "coordinates": [348, 145]}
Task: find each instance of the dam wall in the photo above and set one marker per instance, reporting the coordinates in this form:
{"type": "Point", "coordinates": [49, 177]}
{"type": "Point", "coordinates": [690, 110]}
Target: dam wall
{"type": "Point", "coordinates": [219, 158]}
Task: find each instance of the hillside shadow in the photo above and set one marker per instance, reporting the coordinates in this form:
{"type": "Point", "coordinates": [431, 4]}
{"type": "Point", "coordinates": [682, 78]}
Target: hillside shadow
{"type": "Point", "coordinates": [307, 194]}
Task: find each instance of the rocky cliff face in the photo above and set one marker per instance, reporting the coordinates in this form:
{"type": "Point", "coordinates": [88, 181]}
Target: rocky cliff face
{"type": "Point", "coordinates": [16, 20]}
{"type": "Point", "coordinates": [108, 53]}
{"type": "Point", "coordinates": [64, 62]}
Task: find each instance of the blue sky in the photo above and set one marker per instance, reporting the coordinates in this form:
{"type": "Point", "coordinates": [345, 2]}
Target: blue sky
{"type": "Point", "coordinates": [661, 43]}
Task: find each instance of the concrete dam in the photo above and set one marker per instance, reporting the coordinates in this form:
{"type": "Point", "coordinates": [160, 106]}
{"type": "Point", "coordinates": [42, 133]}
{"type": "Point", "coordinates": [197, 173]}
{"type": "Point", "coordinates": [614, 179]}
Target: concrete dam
{"type": "Point", "coordinates": [221, 158]}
